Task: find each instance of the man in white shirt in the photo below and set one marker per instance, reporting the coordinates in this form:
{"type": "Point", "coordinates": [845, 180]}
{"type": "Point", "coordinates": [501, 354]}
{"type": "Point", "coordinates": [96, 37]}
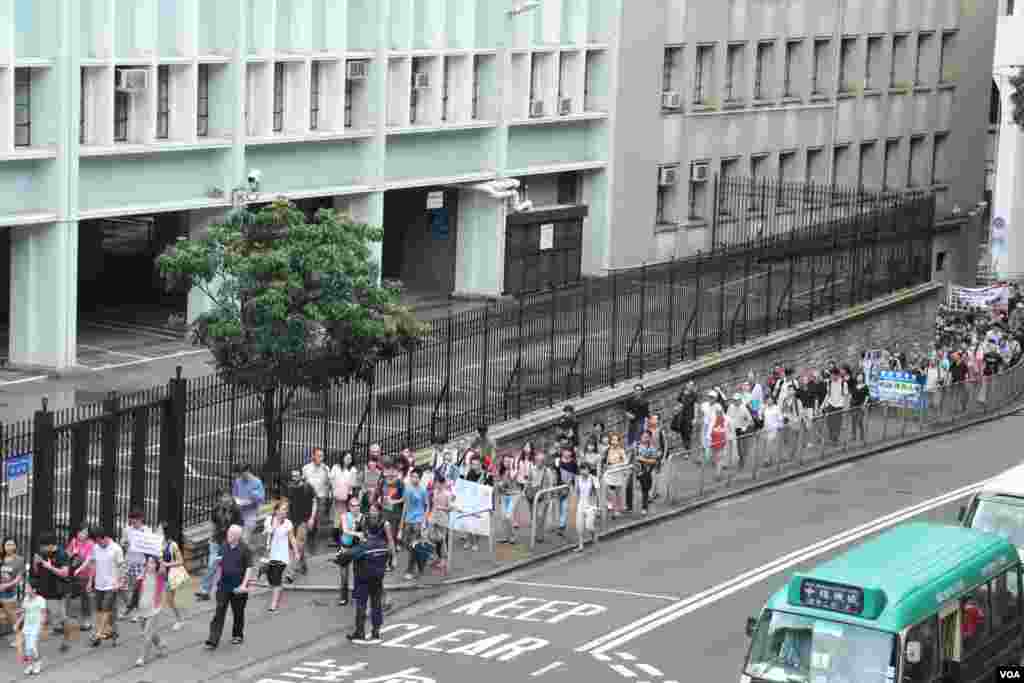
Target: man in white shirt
{"type": "Point", "coordinates": [108, 560]}
{"type": "Point", "coordinates": [742, 421]}
{"type": "Point", "coordinates": [316, 474]}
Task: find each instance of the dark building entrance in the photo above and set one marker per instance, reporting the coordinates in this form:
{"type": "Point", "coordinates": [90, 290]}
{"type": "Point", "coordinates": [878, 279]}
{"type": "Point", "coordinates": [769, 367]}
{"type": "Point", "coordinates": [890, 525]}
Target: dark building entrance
{"type": "Point", "coordinates": [543, 249]}
{"type": "Point", "coordinates": [419, 239]}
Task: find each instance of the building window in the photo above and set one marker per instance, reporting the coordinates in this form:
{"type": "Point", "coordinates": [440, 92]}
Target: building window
{"type": "Point", "coordinates": [847, 49]}
{"type": "Point", "coordinates": [122, 103]}
{"type": "Point", "coordinates": [447, 68]}
{"type": "Point", "coordinates": [914, 178]}
{"type": "Point", "coordinates": [892, 149]}
{"type": "Point", "coordinates": [840, 164]}
{"type": "Point", "coordinates": [734, 72]}
{"type": "Point", "coordinates": [940, 261]}
{"type": "Point", "coordinates": [787, 164]}
{"type": "Point", "coordinates": [1009, 8]}
{"type": "Point", "coordinates": [924, 44]}
{"type": "Point", "coordinates": [314, 95]}
{"type": "Point", "coordinates": [568, 188]}
{"type": "Point", "coordinates": [203, 101]}
{"type": "Point", "coordinates": [697, 204]}
{"type": "Point", "coordinates": [947, 69]}
{"type": "Point", "coordinates": [867, 153]}
{"type": "Point", "coordinates": [758, 165]}
{"type": "Point", "coordinates": [873, 62]}
{"type": "Point", "coordinates": [940, 171]}
{"type": "Point", "coordinates": [763, 71]}
{"type": "Point", "coordinates": [793, 48]}
{"type": "Point", "coordinates": [349, 88]}
{"type": "Point", "coordinates": [476, 87]}
{"type": "Point", "coordinates": [899, 58]}
{"type": "Point", "coordinates": [22, 107]}
{"type": "Point", "coordinates": [819, 76]}
{"type": "Point", "coordinates": [670, 69]}
{"type": "Point", "coordinates": [82, 131]}
{"type": "Point", "coordinates": [660, 216]}
{"type": "Point", "coordinates": [534, 61]}
{"type": "Point", "coordinates": [163, 107]}
{"type": "Point", "coordinates": [815, 165]}
{"type": "Point", "coordinates": [994, 106]}
{"type": "Point", "coordinates": [278, 97]}
{"type": "Point", "coordinates": [703, 70]}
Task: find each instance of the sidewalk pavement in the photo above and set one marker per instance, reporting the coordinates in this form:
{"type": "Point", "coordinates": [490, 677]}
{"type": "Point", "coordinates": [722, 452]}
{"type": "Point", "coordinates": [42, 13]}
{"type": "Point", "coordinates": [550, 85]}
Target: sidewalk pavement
{"type": "Point", "coordinates": [309, 610]}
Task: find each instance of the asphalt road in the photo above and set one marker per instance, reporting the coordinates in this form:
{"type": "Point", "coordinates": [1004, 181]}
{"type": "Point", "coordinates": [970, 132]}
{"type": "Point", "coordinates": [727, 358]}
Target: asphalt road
{"type": "Point", "coordinates": [666, 604]}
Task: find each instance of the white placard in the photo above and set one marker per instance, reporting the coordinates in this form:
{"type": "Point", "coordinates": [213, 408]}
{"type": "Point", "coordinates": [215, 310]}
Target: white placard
{"type": "Point", "coordinates": [475, 503]}
{"type": "Point", "coordinates": [435, 200]}
{"type": "Point", "coordinates": [144, 542]}
{"type": "Point", "coordinates": [547, 236]}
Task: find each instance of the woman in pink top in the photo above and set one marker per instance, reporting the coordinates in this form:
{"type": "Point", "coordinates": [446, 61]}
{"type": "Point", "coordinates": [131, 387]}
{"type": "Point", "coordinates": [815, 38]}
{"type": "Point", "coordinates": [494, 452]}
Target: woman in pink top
{"type": "Point", "coordinates": [79, 549]}
{"type": "Point", "coordinates": [441, 498]}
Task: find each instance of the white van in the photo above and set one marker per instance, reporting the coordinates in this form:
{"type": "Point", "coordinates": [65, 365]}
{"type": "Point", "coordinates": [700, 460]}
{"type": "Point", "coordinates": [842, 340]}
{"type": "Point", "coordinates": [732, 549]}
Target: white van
{"type": "Point", "coordinates": [999, 507]}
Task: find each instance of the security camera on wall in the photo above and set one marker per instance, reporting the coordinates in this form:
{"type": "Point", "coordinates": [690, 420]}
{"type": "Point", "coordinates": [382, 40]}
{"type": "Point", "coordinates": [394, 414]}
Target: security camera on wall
{"type": "Point", "coordinates": [255, 176]}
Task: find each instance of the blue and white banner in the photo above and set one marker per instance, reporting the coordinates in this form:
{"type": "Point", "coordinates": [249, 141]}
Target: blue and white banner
{"type": "Point", "coordinates": [898, 386]}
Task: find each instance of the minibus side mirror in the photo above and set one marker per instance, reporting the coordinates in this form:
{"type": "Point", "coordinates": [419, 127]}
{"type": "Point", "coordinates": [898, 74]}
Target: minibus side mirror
{"type": "Point", "coordinates": [962, 515]}
{"type": "Point", "coordinates": [751, 626]}
{"type": "Point", "coordinates": [913, 653]}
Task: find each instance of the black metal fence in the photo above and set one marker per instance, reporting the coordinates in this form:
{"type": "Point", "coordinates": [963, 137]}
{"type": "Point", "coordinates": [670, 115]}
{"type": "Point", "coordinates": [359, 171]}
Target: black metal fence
{"type": "Point", "coordinates": [170, 449]}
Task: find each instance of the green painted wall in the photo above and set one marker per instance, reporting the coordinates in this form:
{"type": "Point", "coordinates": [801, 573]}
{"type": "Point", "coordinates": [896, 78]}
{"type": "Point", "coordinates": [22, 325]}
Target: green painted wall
{"type": "Point", "coordinates": [34, 22]}
{"type": "Point", "coordinates": [320, 164]}
{"type": "Point", "coordinates": [359, 38]}
{"type": "Point", "coordinates": [28, 186]}
{"type": "Point", "coordinates": [218, 24]}
{"type": "Point", "coordinates": [45, 97]}
{"type": "Point", "coordinates": [552, 144]}
{"type": "Point", "coordinates": [452, 153]}
{"type": "Point", "coordinates": [171, 176]}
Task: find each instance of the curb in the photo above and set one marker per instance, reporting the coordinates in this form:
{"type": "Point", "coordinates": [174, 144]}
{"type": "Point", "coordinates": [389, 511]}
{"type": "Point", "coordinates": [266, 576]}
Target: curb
{"type": "Point", "coordinates": [688, 508]}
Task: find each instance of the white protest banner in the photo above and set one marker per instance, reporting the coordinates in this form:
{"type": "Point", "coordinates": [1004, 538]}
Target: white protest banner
{"type": "Point", "coordinates": [145, 542]}
{"type": "Point", "coordinates": [475, 503]}
{"type": "Point", "coordinates": [979, 297]}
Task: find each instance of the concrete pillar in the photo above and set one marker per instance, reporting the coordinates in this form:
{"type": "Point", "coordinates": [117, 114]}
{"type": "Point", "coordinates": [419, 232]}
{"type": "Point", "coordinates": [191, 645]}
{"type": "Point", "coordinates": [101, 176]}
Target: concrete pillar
{"type": "Point", "coordinates": [198, 222]}
{"type": "Point", "coordinates": [480, 245]}
{"type": "Point", "coordinates": [1008, 195]}
{"type": "Point", "coordinates": [44, 295]}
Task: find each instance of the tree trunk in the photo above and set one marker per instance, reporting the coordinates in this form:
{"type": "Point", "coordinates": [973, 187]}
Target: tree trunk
{"type": "Point", "coordinates": [272, 428]}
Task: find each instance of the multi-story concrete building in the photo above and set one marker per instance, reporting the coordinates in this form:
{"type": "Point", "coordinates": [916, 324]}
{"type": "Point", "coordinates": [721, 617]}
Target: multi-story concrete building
{"type": "Point", "coordinates": [874, 93]}
{"type": "Point", "coordinates": [396, 110]}
{"type": "Point", "coordinates": [1006, 257]}
{"type": "Point", "coordinates": [402, 112]}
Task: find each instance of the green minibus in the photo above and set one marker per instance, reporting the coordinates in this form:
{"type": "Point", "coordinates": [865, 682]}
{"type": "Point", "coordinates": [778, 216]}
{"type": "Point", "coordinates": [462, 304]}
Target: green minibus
{"type": "Point", "coordinates": [920, 603]}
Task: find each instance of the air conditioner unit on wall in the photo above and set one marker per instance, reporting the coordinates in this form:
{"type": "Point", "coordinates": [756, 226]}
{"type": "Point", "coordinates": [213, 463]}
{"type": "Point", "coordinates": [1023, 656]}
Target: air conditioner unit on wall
{"type": "Point", "coordinates": [565, 106]}
{"type": "Point", "coordinates": [668, 175]}
{"type": "Point", "coordinates": [671, 100]}
{"type": "Point", "coordinates": [536, 108]}
{"type": "Point", "coordinates": [132, 80]}
{"type": "Point", "coordinates": [357, 71]}
{"type": "Point", "coordinates": [421, 81]}
{"type": "Point", "coordinates": [699, 172]}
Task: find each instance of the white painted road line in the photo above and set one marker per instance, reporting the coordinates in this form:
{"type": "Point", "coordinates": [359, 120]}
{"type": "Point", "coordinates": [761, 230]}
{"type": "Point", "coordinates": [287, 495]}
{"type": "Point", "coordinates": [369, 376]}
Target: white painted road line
{"type": "Point", "coordinates": [626, 656]}
{"type": "Point", "coordinates": [23, 380]}
{"type": "Point", "coordinates": [622, 635]}
{"type": "Point", "coordinates": [623, 671]}
{"type": "Point", "coordinates": [549, 667]}
{"type": "Point", "coordinates": [155, 359]}
{"type": "Point", "coordinates": [612, 591]}
{"type": "Point", "coordinates": [649, 670]}
{"type": "Point", "coordinates": [113, 353]}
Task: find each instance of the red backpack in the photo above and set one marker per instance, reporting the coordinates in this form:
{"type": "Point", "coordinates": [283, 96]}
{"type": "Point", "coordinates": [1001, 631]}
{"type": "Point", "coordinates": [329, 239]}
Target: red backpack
{"type": "Point", "coordinates": [718, 433]}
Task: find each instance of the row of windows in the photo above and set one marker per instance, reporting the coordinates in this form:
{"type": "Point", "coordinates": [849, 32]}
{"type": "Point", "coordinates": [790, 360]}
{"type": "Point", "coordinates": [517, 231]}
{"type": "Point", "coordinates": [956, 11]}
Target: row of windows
{"type": "Point", "coordinates": [852, 166]}
{"type": "Point", "coordinates": [807, 66]}
{"type": "Point", "coordinates": [983, 614]}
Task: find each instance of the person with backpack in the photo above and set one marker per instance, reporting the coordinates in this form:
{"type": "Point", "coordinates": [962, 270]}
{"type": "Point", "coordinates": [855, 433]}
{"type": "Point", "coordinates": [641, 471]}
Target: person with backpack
{"type": "Point", "coordinates": [717, 438]}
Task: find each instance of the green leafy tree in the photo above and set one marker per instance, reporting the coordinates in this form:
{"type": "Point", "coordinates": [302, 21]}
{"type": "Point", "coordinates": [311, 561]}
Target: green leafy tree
{"type": "Point", "coordinates": [295, 305]}
{"type": "Point", "coordinates": [1017, 97]}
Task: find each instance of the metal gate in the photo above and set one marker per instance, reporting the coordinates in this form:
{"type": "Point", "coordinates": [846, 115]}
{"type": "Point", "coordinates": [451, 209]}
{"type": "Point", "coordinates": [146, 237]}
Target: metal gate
{"type": "Point", "coordinates": [543, 249]}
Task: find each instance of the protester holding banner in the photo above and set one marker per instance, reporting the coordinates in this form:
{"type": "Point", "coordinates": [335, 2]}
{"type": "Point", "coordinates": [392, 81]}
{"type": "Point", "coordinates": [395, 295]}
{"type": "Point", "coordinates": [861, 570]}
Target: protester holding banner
{"type": "Point", "coordinates": [475, 474]}
{"type": "Point", "coordinates": [133, 538]}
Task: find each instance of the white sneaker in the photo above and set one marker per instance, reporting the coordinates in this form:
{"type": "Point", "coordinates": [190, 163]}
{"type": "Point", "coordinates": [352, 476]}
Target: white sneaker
{"type": "Point", "coordinates": [37, 667]}
{"type": "Point", "coordinates": [177, 626]}
{"type": "Point", "coordinates": [29, 670]}
{"type": "Point", "coordinates": [141, 661]}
